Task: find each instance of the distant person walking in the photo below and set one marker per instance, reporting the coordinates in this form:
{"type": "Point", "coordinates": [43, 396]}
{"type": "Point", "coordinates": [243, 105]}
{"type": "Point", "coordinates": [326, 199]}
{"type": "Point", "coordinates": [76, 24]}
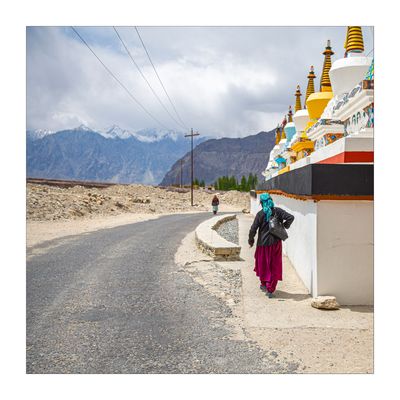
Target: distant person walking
{"type": "Point", "coordinates": [215, 204]}
{"type": "Point", "coordinates": [268, 255]}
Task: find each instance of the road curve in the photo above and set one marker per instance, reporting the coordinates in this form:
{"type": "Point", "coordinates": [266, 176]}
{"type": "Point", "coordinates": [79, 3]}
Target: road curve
{"type": "Point", "coordinates": [113, 301]}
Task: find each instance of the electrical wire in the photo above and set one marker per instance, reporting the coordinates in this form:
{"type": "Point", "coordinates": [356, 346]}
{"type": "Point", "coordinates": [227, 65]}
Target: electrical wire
{"type": "Point", "coordinates": [151, 62]}
{"type": "Point", "coordinates": [145, 79]}
{"type": "Point", "coordinates": [121, 84]}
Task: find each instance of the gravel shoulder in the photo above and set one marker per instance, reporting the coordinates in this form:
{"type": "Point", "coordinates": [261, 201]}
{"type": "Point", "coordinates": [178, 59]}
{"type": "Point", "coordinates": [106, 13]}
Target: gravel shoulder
{"type": "Point", "coordinates": [229, 230]}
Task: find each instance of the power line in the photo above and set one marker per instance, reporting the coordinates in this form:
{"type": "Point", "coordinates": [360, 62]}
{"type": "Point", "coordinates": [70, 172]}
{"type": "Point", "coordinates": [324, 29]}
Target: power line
{"type": "Point", "coordinates": [148, 83]}
{"type": "Point", "coordinates": [191, 135]}
{"type": "Point", "coordinates": [151, 62]}
{"type": "Point", "coordinates": [121, 84]}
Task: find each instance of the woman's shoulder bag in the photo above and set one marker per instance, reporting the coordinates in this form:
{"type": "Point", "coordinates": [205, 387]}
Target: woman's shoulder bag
{"type": "Point", "coordinates": [276, 227]}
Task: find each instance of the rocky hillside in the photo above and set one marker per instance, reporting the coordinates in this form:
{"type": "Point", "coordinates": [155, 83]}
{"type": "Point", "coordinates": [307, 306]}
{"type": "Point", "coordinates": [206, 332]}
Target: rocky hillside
{"type": "Point", "coordinates": [112, 156]}
{"type": "Point", "coordinates": [217, 157]}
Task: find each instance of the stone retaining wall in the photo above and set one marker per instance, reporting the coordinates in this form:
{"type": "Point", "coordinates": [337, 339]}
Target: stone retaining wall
{"type": "Point", "coordinates": [212, 243]}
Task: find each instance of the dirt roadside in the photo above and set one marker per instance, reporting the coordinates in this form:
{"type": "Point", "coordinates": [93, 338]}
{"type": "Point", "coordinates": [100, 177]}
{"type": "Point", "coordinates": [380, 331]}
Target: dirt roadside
{"type": "Point", "coordinates": [54, 212]}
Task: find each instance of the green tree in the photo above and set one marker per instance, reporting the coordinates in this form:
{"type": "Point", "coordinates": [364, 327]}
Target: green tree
{"type": "Point", "coordinates": [225, 183]}
{"type": "Point", "coordinates": [202, 183]}
{"type": "Point", "coordinates": [251, 182]}
{"type": "Point", "coordinates": [231, 182]}
{"type": "Point", "coordinates": [255, 181]}
{"type": "Point", "coordinates": [243, 184]}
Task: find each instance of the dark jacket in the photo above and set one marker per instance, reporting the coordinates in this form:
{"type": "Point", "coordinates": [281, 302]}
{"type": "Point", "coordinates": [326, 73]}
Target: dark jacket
{"type": "Point", "coordinates": [264, 237]}
{"type": "Point", "coordinates": [215, 201]}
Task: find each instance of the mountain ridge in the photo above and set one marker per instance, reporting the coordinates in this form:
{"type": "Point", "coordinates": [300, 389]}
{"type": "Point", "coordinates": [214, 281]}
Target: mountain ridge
{"type": "Point", "coordinates": [113, 132]}
{"type": "Point", "coordinates": [84, 154]}
{"type": "Point", "coordinates": [225, 156]}
{"type": "Point", "coordinates": [148, 156]}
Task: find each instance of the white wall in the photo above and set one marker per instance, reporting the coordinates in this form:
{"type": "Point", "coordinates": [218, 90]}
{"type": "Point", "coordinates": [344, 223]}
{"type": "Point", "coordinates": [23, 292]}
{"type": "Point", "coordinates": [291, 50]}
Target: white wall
{"type": "Point", "coordinates": [255, 206]}
{"type": "Point", "coordinates": [300, 247]}
{"type": "Point", "coordinates": [345, 251]}
{"type": "Point", "coordinates": [330, 245]}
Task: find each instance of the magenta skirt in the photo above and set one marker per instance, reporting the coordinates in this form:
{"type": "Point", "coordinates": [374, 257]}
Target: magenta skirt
{"type": "Point", "coordinates": [269, 262]}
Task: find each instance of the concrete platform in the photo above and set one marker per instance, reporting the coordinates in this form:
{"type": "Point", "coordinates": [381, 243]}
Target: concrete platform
{"type": "Point", "coordinates": [291, 306]}
{"type": "Point", "coordinates": [324, 340]}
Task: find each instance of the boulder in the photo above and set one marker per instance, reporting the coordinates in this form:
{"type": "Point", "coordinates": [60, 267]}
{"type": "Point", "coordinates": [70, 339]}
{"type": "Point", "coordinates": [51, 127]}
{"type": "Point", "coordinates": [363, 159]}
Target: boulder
{"type": "Point", "coordinates": [325, 303]}
{"type": "Point", "coordinates": [246, 211]}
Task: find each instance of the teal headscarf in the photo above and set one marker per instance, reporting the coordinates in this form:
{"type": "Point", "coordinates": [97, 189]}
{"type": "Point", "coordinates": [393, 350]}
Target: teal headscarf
{"type": "Point", "coordinates": [267, 205]}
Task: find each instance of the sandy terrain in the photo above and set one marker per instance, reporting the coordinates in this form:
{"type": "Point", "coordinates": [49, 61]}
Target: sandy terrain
{"type": "Point", "coordinates": [42, 231]}
{"type": "Point", "coordinates": [54, 212]}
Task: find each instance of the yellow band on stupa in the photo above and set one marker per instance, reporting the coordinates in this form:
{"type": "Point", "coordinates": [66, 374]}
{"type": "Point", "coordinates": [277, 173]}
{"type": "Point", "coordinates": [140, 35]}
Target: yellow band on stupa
{"type": "Point", "coordinates": [354, 40]}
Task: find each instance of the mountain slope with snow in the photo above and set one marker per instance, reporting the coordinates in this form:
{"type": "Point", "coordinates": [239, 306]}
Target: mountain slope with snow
{"type": "Point", "coordinates": [115, 155]}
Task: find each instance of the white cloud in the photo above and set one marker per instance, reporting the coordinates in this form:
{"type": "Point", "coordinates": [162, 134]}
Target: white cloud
{"type": "Point", "coordinates": [223, 81]}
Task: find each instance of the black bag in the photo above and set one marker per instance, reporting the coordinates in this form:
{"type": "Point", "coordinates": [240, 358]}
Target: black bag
{"type": "Point", "coordinates": [277, 229]}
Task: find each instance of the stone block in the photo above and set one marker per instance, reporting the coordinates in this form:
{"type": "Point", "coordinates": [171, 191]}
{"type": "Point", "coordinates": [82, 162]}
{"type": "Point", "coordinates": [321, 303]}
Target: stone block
{"type": "Point", "coordinates": [325, 303]}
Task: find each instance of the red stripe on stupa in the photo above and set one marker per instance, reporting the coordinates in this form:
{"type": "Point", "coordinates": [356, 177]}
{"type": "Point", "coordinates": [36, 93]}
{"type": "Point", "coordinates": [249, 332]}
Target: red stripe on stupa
{"type": "Point", "coordinates": [349, 157]}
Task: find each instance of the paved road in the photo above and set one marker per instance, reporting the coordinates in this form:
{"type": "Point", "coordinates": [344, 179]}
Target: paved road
{"type": "Point", "coordinates": [113, 301]}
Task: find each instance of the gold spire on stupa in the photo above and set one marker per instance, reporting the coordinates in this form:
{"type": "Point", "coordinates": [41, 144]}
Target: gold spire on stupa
{"type": "Point", "coordinates": [354, 40]}
{"type": "Point", "coordinates": [284, 122]}
{"type": "Point", "coordinates": [290, 114]}
{"type": "Point", "coordinates": [298, 101]}
{"type": "Point", "coordinates": [283, 134]}
{"type": "Point", "coordinates": [325, 81]}
{"type": "Point", "coordinates": [310, 85]}
{"type": "Point", "coordinates": [277, 134]}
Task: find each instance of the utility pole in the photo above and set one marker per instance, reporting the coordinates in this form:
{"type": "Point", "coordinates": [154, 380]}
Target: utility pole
{"type": "Point", "coordinates": [191, 185]}
{"type": "Point", "coordinates": [181, 170]}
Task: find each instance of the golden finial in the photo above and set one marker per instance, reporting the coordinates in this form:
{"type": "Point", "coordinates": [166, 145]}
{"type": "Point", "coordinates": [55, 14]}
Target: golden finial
{"type": "Point", "coordinates": [284, 122]}
{"type": "Point", "coordinates": [310, 86]}
{"type": "Point", "coordinates": [277, 135]}
{"type": "Point", "coordinates": [354, 40]}
{"type": "Point", "coordinates": [298, 101]}
{"type": "Point", "coordinates": [290, 114]}
{"type": "Point", "coordinates": [325, 81]}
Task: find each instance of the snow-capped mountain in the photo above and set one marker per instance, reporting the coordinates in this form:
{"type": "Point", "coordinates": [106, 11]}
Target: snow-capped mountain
{"type": "Point", "coordinates": [83, 127]}
{"type": "Point", "coordinates": [41, 133]}
{"type": "Point", "coordinates": [115, 131]}
{"type": "Point", "coordinates": [114, 155]}
{"type": "Point", "coordinates": [149, 135]}
{"type": "Point", "coordinates": [144, 135]}
{"type": "Point", "coordinates": [38, 133]}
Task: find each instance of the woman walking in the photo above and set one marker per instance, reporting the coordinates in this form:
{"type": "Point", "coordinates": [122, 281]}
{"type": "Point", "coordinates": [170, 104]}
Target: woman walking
{"type": "Point", "coordinates": [215, 204]}
{"type": "Point", "coordinates": [268, 255]}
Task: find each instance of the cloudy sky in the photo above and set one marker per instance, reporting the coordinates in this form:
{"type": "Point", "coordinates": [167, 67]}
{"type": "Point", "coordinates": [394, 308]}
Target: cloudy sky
{"type": "Point", "coordinates": [224, 81]}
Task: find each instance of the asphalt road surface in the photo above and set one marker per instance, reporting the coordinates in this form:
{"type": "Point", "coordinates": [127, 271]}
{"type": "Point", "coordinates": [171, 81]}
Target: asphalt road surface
{"type": "Point", "coordinates": [113, 301]}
